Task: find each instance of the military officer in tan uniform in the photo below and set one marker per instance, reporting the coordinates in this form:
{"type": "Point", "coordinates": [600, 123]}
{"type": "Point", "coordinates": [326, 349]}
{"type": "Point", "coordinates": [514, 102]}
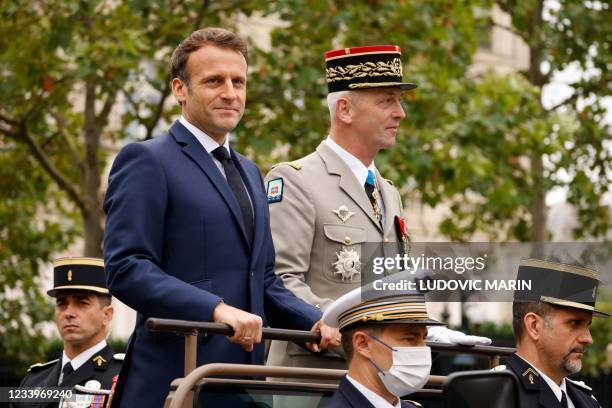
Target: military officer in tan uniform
{"type": "Point", "coordinates": [323, 206]}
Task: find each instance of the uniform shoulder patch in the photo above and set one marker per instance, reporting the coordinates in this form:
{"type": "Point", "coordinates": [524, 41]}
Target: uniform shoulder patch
{"type": "Point", "coordinates": [38, 366]}
{"type": "Point", "coordinates": [294, 164]}
{"type": "Point", "coordinates": [275, 190]}
{"type": "Point", "coordinates": [119, 356]}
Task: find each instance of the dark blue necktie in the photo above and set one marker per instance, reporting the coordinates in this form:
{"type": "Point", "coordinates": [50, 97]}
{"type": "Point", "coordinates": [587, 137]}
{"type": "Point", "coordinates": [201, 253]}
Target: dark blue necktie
{"type": "Point", "coordinates": [563, 399]}
{"type": "Point", "coordinates": [67, 369]}
{"type": "Point", "coordinates": [237, 186]}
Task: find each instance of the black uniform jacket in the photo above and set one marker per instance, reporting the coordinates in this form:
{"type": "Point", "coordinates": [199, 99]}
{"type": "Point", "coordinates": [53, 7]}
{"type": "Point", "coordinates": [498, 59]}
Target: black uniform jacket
{"type": "Point", "coordinates": [102, 367]}
{"type": "Point", "coordinates": [349, 396]}
{"type": "Point", "coordinates": [534, 392]}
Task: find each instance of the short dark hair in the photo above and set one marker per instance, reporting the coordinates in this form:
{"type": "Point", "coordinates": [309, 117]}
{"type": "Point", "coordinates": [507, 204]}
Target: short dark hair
{"type": "Point", "coordinates": [218, 37]}
{"type": "Point", "coordinates": [349, 332]}
{"type": "Point", "coordinates": [105, 300]}
{"type": "Point", "coordinates": [521, 308]}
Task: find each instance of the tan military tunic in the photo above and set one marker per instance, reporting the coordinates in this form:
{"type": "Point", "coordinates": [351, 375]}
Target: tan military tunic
{"type": "Point", "coordinates": [309, 236]}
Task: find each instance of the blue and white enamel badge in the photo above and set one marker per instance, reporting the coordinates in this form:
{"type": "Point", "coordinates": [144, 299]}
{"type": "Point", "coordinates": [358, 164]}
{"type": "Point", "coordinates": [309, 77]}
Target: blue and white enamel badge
{"type": "Point", "coordinates": [275, 190]}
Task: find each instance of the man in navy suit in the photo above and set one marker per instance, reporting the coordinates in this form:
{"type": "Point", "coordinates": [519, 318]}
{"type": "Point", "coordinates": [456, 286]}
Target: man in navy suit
{"type": "Point", "coordinates": [187, 229]}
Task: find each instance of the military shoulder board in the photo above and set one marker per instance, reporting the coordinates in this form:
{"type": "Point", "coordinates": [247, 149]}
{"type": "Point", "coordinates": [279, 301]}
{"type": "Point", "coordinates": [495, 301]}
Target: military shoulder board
{"type": "Point", "coordinates": [293, 164]}
{"type": "Point", "coordinates": [38, 366]}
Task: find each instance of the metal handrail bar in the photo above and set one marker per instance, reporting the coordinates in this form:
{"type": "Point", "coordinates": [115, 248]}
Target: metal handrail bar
{"type": "Point", "coordinates": [194, 328]}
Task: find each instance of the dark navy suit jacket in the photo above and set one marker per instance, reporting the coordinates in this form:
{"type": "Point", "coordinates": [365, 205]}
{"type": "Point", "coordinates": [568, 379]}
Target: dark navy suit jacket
{"type": "Point", "coordinates": [534, 392]}
{"type": "Point", "coordinates": [348, 396]}
{"type": "Point", "coordinates": [175, 246]}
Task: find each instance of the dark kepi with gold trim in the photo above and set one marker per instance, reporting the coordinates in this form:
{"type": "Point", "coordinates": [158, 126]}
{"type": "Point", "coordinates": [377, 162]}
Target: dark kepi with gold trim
{"type": "Point", "coordinates": [78, 274]}
{"type": "Point", "coordinates": [559, 284]}
{"type": "Point", "coordinates": [352, 309]}
{"type": "Point", "coordinates": [365, 67]}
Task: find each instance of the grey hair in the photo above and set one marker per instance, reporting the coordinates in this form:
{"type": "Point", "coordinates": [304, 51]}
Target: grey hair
{"type": "Point", "coordinates": [332, 100]}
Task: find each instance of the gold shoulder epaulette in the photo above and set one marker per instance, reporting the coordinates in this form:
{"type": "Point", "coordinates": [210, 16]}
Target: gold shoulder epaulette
{"type": "Point", "coordinates": [295, 165]}
{"type": "Point", "coordinates": [41, 365]}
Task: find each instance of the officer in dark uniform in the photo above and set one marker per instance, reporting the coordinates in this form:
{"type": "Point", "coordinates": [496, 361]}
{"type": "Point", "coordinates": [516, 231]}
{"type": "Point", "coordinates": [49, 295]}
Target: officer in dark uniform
{"type": "Point", "coordinates": [551, 328]}
{"type": "Point", "coordinates": [384, 342]}
{"type": "Point", "coordinates": [83, 312]}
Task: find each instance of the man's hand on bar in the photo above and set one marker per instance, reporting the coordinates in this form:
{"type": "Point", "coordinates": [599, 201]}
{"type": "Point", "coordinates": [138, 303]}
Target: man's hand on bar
{"type": "Point", "coordinates": [247, 326]}
{"type": "Point", "coordinates": [330, 337]}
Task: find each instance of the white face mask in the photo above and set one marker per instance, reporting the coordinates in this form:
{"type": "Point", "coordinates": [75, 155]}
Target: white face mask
{"type": "Point", "coordinates": [409, 371]}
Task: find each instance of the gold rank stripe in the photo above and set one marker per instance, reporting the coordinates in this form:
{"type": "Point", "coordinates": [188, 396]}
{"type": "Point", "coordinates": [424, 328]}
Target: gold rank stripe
{"type": "Point", "coordinates": [405, 311]}
{"type": "Point", "coordinates": [373, 84]}
{"type": "Point", "coordinates": [377, 307]}
{"type": "Point", "coordinates": [359, 54]}
{"type": "Point", "coordinates": [78, 261]}
{"type": "Point", "coordinates": [82, 287]}
{"type": "Point", "coordinates": [411, 309]}
{"type": "Point", "coordinates": [380, 317]}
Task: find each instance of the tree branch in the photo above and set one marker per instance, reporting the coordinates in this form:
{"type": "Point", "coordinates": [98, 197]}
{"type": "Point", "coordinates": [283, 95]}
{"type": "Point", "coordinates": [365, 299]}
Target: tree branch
{"type": "Point", "coordinates": [106, 108]}
{"type": "Point", "coordinates": [8, 120]}
{"type": "Point", "coordinates": [571, 99]}
{"type": "Point", "coordinates": [159, 109]}
{"type": "Point", "coordinates": [510, 29]}
{"type": "Point", "coordinates": [133, 104]}
{"type": "Point", "coordinates": [62, 125]}
{"type": "Point", "coordinates": [61, 180]}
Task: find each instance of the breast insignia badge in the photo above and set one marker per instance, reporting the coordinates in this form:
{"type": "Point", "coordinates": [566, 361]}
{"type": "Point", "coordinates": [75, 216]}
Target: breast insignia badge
{"type": "Point", "coordinates": [348, 265]}
{"type": "Point", "coordinates": [343, 213]}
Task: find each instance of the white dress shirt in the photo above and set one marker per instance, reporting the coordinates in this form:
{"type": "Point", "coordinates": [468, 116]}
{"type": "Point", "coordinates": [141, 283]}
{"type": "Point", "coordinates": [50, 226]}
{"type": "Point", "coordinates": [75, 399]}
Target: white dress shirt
{"type": "Point", "coordinates": [207, 142]}
{"type": "Point", "coordinates": [209, 145]}
{"type": "Point", "coordinates": [358, 168]}
{"type": "Point", "coordinates": [80, 359]}
{"type": "Point", "coordinates": [374, 398]}
{"type": "Point", "coordinates": [556, 388]}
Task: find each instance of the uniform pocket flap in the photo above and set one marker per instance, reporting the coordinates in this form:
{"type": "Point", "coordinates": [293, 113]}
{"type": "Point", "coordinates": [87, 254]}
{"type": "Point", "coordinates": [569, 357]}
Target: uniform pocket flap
{"type": "Point", "coordinates": [344, 234]}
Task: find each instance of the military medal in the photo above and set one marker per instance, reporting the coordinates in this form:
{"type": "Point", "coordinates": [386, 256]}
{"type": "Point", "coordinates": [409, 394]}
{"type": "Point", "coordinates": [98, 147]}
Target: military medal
{"type": "Point", "coordinates": [343, 213]}
{"type": "Point", "coordinates": [348, 265]}
{"type": "Point", "coordinates": [377, 212]}
{"type": "Point", "coordinates": [402, 233]}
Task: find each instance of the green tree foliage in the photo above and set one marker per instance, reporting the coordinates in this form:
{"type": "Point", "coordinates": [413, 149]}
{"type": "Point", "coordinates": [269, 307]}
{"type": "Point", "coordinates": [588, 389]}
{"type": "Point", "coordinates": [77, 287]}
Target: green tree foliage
{"type": "Point", "coordinates": [573, 34]}
{"type": "Point", "coordinates": [78, 79]}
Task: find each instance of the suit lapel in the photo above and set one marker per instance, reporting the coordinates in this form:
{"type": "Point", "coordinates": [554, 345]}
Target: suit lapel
{"type": "Point", "coordinates": [52, 379]}
{"type": "Point", "coordinates": [348, 183]}
{"type": "Point", "coordinates": [196, 152]}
